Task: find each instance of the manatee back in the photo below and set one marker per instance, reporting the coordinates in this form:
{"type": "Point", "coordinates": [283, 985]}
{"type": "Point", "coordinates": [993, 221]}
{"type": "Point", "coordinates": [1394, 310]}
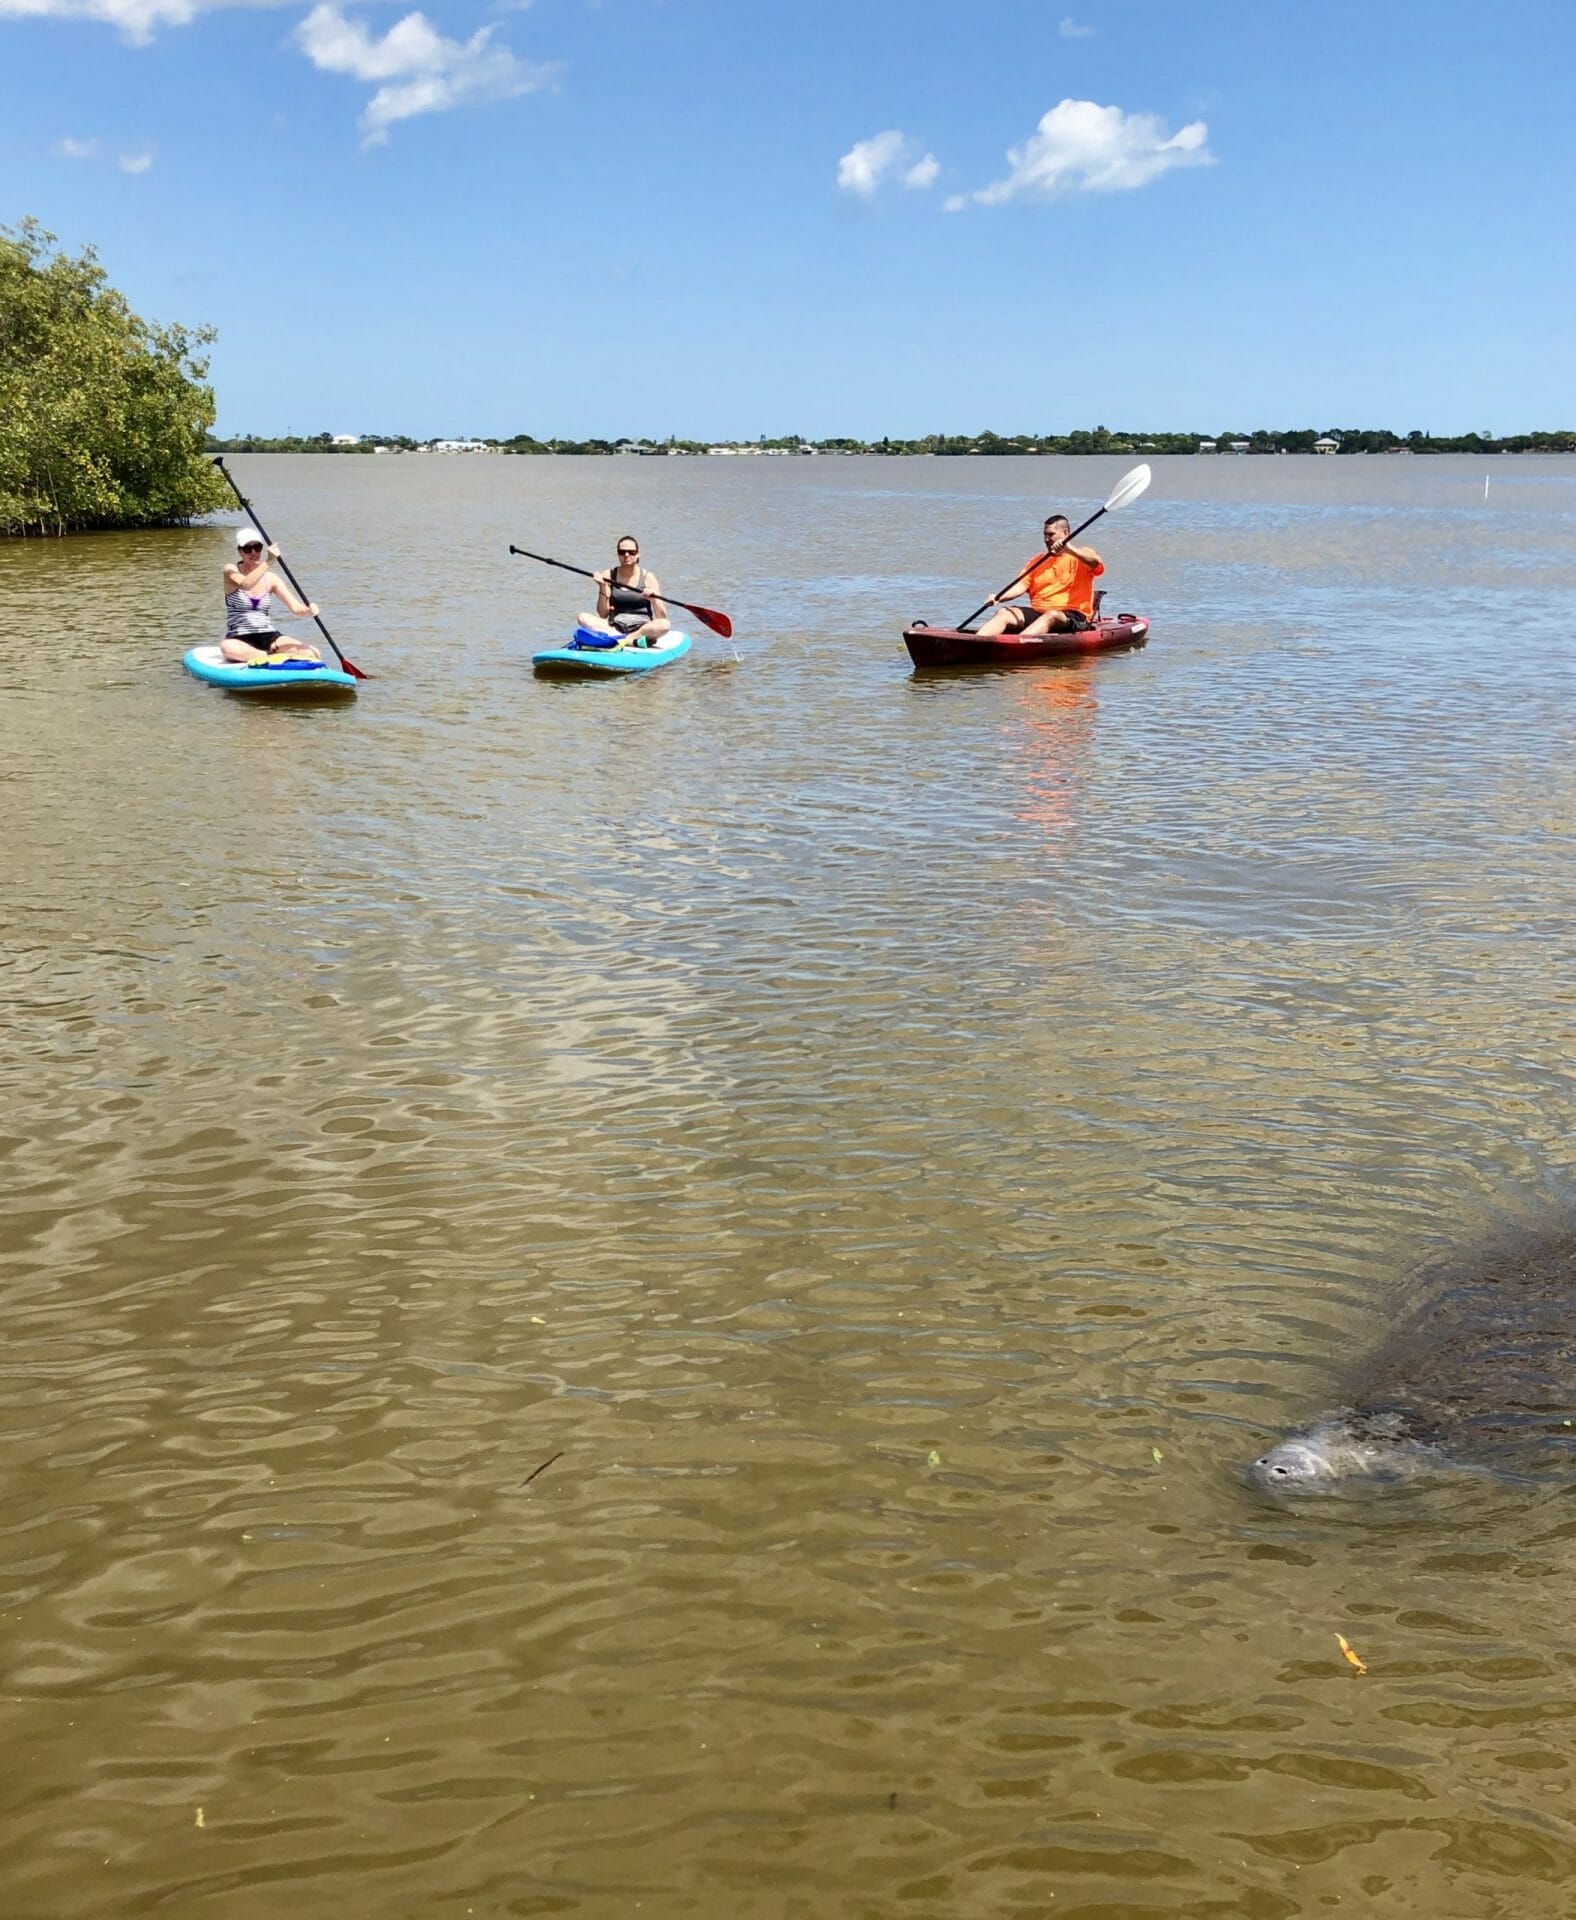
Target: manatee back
{"type": "Point", "coordinates": [1484, 1361]}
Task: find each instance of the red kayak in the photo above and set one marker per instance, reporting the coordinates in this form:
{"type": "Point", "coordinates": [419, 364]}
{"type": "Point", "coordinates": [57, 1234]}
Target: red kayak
{"type": "Point", "coordinates": [951, 647]}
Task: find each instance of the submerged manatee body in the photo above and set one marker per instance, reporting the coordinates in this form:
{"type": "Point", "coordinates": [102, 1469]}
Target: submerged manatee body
{"type": "Point", "coordinates": [1480, 1371]}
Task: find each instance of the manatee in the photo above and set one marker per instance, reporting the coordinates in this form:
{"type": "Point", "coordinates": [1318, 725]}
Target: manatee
{"type": "Point", "coordinates": [1479, 1371]}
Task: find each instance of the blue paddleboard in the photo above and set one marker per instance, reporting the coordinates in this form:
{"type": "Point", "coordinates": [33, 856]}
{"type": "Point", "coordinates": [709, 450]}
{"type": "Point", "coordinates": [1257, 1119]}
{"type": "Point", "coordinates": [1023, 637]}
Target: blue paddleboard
{"type": "Point", "coordinates": [580, 657]}
{"type": "Point", "coordinates": [209, 664]}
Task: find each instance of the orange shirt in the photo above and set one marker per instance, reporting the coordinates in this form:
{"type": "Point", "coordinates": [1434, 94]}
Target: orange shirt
{"type": "Point", "coordinates": [1061, 580]}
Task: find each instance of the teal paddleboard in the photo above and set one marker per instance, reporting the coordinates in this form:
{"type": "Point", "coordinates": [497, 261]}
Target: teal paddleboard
{"type": "Point", "coordinates": [577, 658]}
{"type": "Point", "coordinates": [209, 663]}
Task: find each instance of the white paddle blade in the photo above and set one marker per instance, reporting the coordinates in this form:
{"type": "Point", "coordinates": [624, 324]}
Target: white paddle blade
{"type": "Point", "coordinates": [1129, 488]}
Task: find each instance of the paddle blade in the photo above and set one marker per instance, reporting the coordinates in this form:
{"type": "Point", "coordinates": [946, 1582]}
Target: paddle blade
{"type": "Point", "coordinates": [709, 617]}
{"type": "Point", "coordinates": [349, 666]}
{"type": "Point", "coordinates": [1128, 488]}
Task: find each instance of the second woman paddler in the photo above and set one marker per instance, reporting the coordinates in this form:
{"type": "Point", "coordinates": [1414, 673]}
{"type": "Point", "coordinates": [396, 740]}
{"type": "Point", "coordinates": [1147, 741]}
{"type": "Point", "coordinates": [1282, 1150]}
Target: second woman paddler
{"type": "Point", "coordinates": [628, 600]}
{"type": "Point", "coordinates": [250, 586]}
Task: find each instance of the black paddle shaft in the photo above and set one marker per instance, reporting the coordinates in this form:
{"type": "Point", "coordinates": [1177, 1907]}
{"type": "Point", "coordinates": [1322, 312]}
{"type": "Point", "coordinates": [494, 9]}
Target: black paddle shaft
{"type": "Point", "coordinates": [1012, 586]}
{"type": "Point", "coordinates": [284, 565]}
{"type": "Point", "coordinates": [718, 622]}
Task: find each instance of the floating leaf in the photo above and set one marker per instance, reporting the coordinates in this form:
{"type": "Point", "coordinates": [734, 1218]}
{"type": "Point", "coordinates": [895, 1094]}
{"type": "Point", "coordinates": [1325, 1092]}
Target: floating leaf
{"type": "Point", "coordinates": [1353, 1657]}
{"type": "Point", "coordinates": [935, 1458]}
{"type": "Point", "coordinates": [1156, 1455]}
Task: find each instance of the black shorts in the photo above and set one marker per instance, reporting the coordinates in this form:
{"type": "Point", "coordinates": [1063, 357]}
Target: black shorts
{"type": "Point", "coordinates": [1073, 620]}
{"type": "Point", "coordinates": [263, 640]}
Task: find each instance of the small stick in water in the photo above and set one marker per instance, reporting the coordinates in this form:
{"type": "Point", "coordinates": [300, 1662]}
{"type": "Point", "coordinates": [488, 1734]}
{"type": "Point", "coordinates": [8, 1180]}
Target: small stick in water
{"type": "Point", "coordinates": [542, 1468]}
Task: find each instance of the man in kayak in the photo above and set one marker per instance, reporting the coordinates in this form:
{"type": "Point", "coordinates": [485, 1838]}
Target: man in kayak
{"type": "Point", "coordinates": [628, 600]}
{"type": "Point", "coordinates": [1060, 586]}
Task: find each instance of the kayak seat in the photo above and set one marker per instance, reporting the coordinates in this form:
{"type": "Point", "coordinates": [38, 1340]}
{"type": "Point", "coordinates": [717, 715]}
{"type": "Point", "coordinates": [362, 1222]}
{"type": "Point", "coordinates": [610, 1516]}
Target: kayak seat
{"type": "Point", "coordinates": [1099, 595]}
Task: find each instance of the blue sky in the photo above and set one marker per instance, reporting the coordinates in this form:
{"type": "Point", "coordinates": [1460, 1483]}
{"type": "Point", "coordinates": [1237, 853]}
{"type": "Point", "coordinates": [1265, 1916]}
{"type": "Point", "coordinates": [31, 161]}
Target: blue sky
{"type": "Point", "coordinates": [719, 218]}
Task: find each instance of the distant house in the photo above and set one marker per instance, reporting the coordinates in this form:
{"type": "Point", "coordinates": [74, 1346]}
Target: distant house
{"type": "Point", "coordinates": [459, 446]}
{"type": "Point", "coordinates": [1238, 446]}
{"type": "Point", "coordinates": [347, 440]}
{"type": "Point", "coordinates": [1326, 445]}
{"type": "Point", "coordinates": [1206, 446]}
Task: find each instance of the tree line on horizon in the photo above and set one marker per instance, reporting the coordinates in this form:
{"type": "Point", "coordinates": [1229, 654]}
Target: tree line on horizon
{"type": "Point", "coordinates": [1097, 440]}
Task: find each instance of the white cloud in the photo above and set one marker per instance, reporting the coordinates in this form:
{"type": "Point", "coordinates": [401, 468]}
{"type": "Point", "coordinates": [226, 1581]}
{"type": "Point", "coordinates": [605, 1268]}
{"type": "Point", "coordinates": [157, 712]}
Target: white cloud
{"type": "Point", "coordinates": [1070, 29]}
{"type": "Point", "coordinates": [420, 71]}
{"type": "Point", "coordinates": [861, 168]}
{"type": "Point", "coordinates": [137, 161]}
{"type": "Point", "coordinates": [1080, 147]}
{"type": "Point", "coordinates": [137, 20]}
{"type": "Point", "coordinates": [868, 162]}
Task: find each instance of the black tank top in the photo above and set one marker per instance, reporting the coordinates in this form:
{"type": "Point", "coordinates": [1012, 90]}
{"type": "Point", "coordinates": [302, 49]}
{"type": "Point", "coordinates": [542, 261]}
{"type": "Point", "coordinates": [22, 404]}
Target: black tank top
{"type": "Point", "coordinates": [625, 600]}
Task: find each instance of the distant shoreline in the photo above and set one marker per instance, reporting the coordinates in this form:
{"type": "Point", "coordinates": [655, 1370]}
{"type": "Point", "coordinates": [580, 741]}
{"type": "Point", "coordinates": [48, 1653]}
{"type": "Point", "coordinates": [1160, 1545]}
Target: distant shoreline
{"type": "Point", "coordinates": [1332, 444]}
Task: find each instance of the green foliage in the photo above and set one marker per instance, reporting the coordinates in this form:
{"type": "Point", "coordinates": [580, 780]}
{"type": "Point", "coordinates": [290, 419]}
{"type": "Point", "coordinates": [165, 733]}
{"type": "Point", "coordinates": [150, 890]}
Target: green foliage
{"type": "Point", "coordinates": [102, 414]}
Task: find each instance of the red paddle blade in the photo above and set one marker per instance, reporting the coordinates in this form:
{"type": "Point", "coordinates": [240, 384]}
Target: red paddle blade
{"type": "Point", "coordinates": [352, 669]}
{"type": "Point", "coordinates": [709, 617]}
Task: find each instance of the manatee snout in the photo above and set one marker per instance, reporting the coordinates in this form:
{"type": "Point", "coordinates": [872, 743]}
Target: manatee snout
{"type": "Point", "coordinates": [1343, 1453]}
{"type": "Point", "coordinates": [1294, 1466]}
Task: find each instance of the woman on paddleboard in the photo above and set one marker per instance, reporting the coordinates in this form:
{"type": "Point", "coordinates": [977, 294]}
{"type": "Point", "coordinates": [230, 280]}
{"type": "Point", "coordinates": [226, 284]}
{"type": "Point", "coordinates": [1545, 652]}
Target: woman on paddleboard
{"type": "Point", "coordinates": [1060, 586]}
{"type": "Point", "coordinates": [628, 600]}
{"type": "Point", "coordinates": [249, 590]}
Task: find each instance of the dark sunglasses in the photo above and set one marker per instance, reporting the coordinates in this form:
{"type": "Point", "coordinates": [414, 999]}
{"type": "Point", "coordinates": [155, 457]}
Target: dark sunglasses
{"type": "Point", "coordinates": [253, 546]}
{"type": "Point", "coordinates": [628, 553]}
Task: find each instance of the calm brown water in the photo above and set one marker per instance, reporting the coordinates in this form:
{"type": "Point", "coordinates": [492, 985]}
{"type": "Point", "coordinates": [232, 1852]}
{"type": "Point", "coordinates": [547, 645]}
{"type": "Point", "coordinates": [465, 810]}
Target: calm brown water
{"type": "Point", "coordinates": [900, 1140]}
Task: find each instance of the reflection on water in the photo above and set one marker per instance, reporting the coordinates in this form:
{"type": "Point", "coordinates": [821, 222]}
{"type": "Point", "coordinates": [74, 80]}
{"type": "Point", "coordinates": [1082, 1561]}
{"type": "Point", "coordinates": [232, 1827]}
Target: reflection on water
{"type": "Point", "coordinates": [898, 1141]}
{"type": "Point", "coordinates": [1050, 738]}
